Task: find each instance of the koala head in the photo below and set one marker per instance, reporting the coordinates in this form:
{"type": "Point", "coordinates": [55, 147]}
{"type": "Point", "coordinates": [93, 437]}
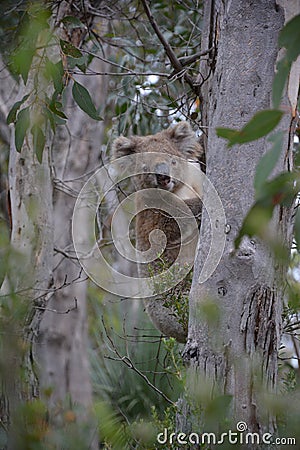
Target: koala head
{"type": "Point", "coordinates": [161, 169]}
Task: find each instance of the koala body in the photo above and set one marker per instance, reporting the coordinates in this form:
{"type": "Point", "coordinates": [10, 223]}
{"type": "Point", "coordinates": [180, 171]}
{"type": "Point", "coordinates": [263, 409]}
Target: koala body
{"type": "Point", "coordinates": [163, 172]}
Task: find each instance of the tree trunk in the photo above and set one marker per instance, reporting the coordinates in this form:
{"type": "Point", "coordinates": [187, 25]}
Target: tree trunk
{"type": "Point", "coordinates": [53, 288]}
{"type": "Point", "coordinates": [63, 346]}
{"type": "Point", "coordinates": [29, 271]}
{"type": "Point", "coordinates": [236, 352]}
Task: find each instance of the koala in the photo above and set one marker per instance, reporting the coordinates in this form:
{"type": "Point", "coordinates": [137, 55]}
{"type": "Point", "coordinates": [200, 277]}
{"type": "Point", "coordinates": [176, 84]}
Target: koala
{"type": "Point", "coordinates": [168, 311]}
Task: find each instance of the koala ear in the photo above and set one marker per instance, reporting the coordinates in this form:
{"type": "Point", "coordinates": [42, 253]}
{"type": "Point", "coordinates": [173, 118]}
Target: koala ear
{"type": "Point", "coordinates": [182, 130]}
{"type": "Point", "coordinates": [123, 146]}
{"type": "Point", "coordinates": [186, 140]}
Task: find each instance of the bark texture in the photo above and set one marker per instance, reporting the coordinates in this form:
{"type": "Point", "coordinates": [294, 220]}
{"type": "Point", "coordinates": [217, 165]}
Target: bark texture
{"type": "Point", "coordinates": [63, 334]}
{"type": "Point", "coordinates": [29, 271]}
{"type": "Point", "coordinates": [45, 275]}
{"type": "Point", "coordinates": [238, 354]}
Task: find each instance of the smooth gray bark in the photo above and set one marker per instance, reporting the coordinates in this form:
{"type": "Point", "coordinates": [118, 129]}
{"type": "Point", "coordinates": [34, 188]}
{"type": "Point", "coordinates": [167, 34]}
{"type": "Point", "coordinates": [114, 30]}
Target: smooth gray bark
{"type": "Point", "coordinates": [29, 269]}
{"type": "Point", "coordinates": [63, 346]}
{"type": "Point", "coordinates": [46, 271]}
{"type": "Point", "coordinates": [237, 354]}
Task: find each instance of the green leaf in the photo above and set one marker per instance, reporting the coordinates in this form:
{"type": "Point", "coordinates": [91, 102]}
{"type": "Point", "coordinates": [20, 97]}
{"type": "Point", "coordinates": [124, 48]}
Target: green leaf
{"type": "Point", "coordinates": [38, 141]}
{"type": "Point", "coordinates": [54, 119]}
{"type": "Point", "coordinates": [267, 163]}
{"type": "Point", "coordinates": [69, 49]}
{"type": "Point", "coordinates": [72, 22]}
{"type": "Point", "coordinates": [255, 222]}
{"type": "Point", "coordinates": [297, 157]}
{"type": "Point", "coordinates": [261, 124]}
{"type": "Point", "coordinates": [279, 191]}
{"type": "Point", "coordinates": [21, 61]}
{"type": "Point", "coordinates": [56, 72]}
{"type": "Point", "coordinates": [217, 404]}
{"type": "Point", "coordinates": [226, 133]}
{"type": "Point", "coordinates": [83, 99]}
{"type": "Point", "coordinates": [297, 228]}
{"type": "Point", "coordinates": [51, 117]}
{"type": "Point", "coordinates": [11, 117]}
{"type": "Point", "coordinates": [289, 38]}
{"type": "Point", "coordinates": [283, 70]}
{"type": "Point", "coordinates": [21, 127]}
{"type": "Point", "coordinates": [81, 63]}
{"type": "Point", "coordinates": [55, 106]}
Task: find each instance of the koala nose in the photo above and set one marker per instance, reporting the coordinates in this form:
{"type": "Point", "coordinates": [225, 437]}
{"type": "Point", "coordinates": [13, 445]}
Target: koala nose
{"type": "Point", "coordinates": [163, 180]}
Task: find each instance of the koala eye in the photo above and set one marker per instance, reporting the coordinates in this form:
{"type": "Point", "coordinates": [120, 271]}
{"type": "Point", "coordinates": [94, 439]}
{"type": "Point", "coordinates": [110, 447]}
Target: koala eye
{"type": "Point", "coordinates": [174, 162]}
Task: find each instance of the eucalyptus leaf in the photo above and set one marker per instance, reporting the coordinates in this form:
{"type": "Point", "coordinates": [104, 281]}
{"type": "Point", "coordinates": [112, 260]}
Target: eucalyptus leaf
{"type": "Point", "coordinates": [255, 222]}
{"type": "Point", "coordinates": [283, 70]}
{"type": "Point", "coordinates": [69, 49]}
{"type": "Point", "coordinates": [83, 99]}
{"type": "Point", "coordinates": [72, 22]}
{"type": "Point", "coordinates": [267, 163]}
{"type": "Point", "coordinates": [55, 72]}
{"type": "Point", "coordinates": [21, 127]}
{"type": "Point", "coordinates": [38, 141]}
{"type": "Point", "coordinates": [289, 38]}
{"type": "Point", "coordinates": [297, 228]}
{"type": "Point", "coordinates": [11, 117]}
{"type": "Point", "coordinates": [261, 124]}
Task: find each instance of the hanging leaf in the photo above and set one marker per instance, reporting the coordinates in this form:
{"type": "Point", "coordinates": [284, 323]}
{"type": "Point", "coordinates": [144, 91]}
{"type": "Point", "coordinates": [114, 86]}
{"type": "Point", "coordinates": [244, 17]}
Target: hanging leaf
{"type": "Point", "coordinates": [297, 157]}
{"type": "Point", "coordinates": [283, 69]}
{"type": "Point", "coordinates": [261, 124]}
{"type": "Point", "coordinates": [81, 63]}
{"type": "Point", "coordinates": [256, 221]}
{"type": "Point", "coordinates": [297, 228]}
{"type": "Point", "coordinates": [51, 118]}
{"type": "Point", "coordinates": [267, 163]}
{"type": "Point", "coordinates": [11, 117]}
{"type": "Point", "coordinates": [21, 61]}
{"type": "Point", "coordinates": [38, 142]}
{"type": "Point", "coordinates": [83, 99]}
{"type": "Point", "coordinates": [55, 107]}
{"type": "Point", "coordinates": [56, 73]}
{"type": "Point", "coordinates": [69, 49]}
{"type": "Point", "coordinates": [226, 133]}
{"type": "Point", "coordinates": [279, 191]}
{"type": "Point", "coordinates": [282, 189]}
{"type": "Point", "coordinates": [21, 127]}
{"type": "Point", "coordinates": [289, 38]}
{"type": "Point", "coordinates": [72, 22]}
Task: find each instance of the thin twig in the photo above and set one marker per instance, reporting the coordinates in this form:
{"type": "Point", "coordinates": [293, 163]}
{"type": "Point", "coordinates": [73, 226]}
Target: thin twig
{"type": "Point", "coordinates": [59, 312]}
{"type": "Point", "coordinates": [175, 62]}
{"type": "Point", "coordinates": [126, 360]}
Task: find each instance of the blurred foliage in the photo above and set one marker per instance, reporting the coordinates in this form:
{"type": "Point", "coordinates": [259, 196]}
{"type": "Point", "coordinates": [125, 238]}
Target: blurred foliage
{"type": "Point", "coordinates": [289, 40]}
{"type": "Point", "coordinates": [134, 371]}
{"type": "Point", "coordinates": [136, 374]}
{"type": "Point", "coordinates": [122, 335]}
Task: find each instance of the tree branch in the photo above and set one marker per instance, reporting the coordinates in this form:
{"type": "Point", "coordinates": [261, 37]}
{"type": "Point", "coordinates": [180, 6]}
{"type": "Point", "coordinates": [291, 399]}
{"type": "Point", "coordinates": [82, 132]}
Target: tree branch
{"type": "Point", "coordinates": [175, 62]}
